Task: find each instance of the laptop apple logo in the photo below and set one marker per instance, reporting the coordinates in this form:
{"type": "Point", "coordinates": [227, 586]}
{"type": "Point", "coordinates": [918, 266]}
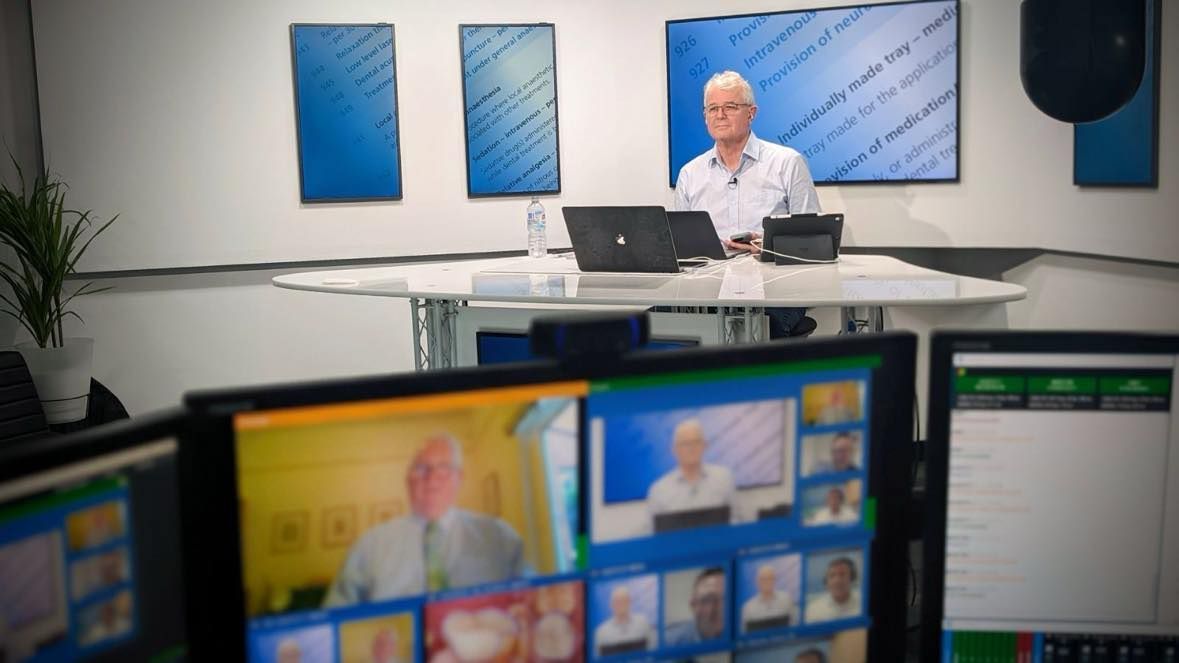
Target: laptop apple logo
{"type": "Point", "coordinates": [620, 239]}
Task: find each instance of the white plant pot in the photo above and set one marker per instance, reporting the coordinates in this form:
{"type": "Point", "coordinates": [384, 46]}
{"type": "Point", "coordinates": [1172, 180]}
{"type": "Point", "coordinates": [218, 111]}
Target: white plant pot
{"type": "Point", "coordinates": [62, 377]}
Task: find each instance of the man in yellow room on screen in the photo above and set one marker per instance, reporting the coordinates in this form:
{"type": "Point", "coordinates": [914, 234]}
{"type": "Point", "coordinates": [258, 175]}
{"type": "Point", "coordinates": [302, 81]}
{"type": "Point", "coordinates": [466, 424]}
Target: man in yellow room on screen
{"type": "Point", "coordinates": [439, 546]}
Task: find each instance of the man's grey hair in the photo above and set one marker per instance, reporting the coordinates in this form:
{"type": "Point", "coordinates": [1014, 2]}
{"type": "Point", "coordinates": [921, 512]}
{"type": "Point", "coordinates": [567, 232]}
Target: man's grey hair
{"type": "Point", "coordinates": [456, 449]}
{"type": "Point", "coordinates": [730, 80]}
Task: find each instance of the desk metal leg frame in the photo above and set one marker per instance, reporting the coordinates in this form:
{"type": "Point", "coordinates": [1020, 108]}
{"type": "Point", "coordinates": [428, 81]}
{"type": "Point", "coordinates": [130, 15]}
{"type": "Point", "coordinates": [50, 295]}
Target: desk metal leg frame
{"type": "Point", "coordinates": [742, 324]}
{"type": "Point", "coordinates": [850, 324]}
{"type": "Point", "coordinates": [434, 333]}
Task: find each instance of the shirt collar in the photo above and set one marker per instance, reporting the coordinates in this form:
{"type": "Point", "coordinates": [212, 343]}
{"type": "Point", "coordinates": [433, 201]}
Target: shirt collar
{"type": "Point", "coordinates": [752, 150]}
{"type": "Point", "coordinates": [679, 474]}
{"type": "Point", "coordinates": [443, 523]}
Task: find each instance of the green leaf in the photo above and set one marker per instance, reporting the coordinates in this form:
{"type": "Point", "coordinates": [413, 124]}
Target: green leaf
{"type": "Point", "coordinates": [47, 238]}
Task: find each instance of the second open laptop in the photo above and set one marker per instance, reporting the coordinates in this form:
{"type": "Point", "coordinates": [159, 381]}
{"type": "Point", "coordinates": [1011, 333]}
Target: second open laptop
{"type": "Point", "coordinates": [694, 236]}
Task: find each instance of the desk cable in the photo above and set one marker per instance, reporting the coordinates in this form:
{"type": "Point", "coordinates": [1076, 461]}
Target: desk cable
{"type": "Point", "coordinates": [759, 241]}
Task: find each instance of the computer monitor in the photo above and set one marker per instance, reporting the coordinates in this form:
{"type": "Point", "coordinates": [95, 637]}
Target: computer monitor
{"type": "Point", "coordinates": [460, 515]}
{"type": "Point", "coordinates": [497, 347]}
{"type": "Point", "coordinates": [90, 554]}
{"type": "Point", "coordinates": [1053, 471]}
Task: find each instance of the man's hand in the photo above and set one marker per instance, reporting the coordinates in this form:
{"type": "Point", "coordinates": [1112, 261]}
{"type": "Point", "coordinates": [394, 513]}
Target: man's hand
{"type": "Point", "coordinates": [741, 246]}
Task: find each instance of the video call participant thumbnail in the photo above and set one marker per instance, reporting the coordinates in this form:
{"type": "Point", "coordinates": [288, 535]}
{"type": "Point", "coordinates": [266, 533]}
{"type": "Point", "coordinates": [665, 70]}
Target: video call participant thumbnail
{"type": "Point", "coordinates": [624, 630]}
{"type": "Point", "coordinates": [835, 510]}
{"type": "Point", "coordinates": [693, 485]}
{"type": "Point", "coordinates": [707, 607]}
{"type": "Point", "coordinates": [544, 623]}
{"type": "Point", "coordinates": [832, 403]}
{"type": "Point", "coordinates": [770, 607]}
{"type": "Point", "coordinates": [840, 597]}
{"type": "Point", "coordinates": [438, 546]}
{"type": "Point", "coordinates": [842, 455]}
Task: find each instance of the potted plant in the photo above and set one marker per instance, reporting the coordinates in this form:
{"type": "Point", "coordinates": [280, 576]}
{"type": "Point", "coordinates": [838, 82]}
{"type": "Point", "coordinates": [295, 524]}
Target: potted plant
{"type": "Point", "coordinates": [46, 239]}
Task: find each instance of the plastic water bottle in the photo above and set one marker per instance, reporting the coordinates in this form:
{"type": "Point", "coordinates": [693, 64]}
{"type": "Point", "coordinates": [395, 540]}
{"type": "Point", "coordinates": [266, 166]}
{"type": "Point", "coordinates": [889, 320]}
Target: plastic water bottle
{"type": "Point", "coordinates": [537, 242]}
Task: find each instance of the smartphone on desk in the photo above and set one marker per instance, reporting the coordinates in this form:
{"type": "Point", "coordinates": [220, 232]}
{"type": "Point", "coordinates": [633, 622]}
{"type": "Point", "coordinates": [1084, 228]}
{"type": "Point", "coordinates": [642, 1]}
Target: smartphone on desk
{"type": "Point", "coordinates": [742, 238]}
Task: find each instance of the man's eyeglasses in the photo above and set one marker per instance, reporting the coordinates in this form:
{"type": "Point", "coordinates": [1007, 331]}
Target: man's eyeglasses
{"type": "Point", "coordinates": [425, 470]}
{"type": "Point", "coordinates": [715, 109]}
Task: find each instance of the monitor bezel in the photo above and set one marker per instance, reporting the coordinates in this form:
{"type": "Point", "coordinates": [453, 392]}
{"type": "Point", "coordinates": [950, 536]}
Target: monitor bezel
{"type": "Point", "coordinates": [40, 454]}
{"type": "Point", "coordinates": [943, 346]}
{"type": "Point", "coordinates": [209, 483]}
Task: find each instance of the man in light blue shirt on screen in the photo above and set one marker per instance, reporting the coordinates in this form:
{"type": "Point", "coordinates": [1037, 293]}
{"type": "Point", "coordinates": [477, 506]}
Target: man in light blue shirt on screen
{"type": "Point", "coordinates": [623, 627]}
{"type": "Point", "coordinates": [692, 485]}
{"type": "Point", "coordinates": [743, 179]}
{"type": "Point", "coordinates": [438, 547]}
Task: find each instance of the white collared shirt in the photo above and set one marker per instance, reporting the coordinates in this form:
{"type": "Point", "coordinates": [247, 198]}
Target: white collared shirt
{"type": "Point", "coordinates": [388, 561]}
{"type": "Point", "coordinates": [822, 608]}
{"type": "Point", "coordinates": [674, 492]}
{"type": "Point", "coordinates": [759, 608]}
{"type": "Point", "coordinates": [825, 516]}
{"type": "Point", "coordinates": [612, 631]}
{"type": "Point", "coordinates": [771, 179]}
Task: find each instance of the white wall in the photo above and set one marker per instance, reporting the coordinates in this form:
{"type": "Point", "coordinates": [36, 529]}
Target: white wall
{"type": "Point", "coordinates": [179, 115]}
{"type": "Point", "coordinates": [160, 336]}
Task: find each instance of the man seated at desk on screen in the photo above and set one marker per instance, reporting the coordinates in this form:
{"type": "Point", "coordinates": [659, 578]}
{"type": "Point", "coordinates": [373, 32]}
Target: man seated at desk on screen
{"type": "Point", "coordinates": [769, 608]}
{"type": "Point", "coordinates": [694, 490]}
{"type": "Point", "coordinates": [438, 546]}
{"type": "Point", "coordinates": [625, 630]}
{"type": "Point", "coordinates": [744, 179]}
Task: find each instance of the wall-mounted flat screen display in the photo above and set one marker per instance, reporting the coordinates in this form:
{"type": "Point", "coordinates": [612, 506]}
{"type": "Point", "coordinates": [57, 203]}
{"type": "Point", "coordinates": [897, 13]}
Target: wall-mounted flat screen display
{"type": "Point", "coordinates": [865, 93]}
{"type": "Point", "coordinates": [510, 109]}
{"type": "Point", "coordinates": [346, 112]}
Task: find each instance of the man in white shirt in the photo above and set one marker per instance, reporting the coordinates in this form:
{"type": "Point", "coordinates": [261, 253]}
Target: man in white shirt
{"type": "Point", "coordinates": [769, 603]}
{"type": "Point", "coordinates": [841, 598]}
{"type": "Point", "coordinates": [437, 547]}
{"type": "Point", "coordinates": [693, 484]}
{"type": "Point", "coordinates": [623, 626]}
{"type": "Point", "coordinates": [835, 511]}
{"type": "Point", "coordinates": [743, 179]}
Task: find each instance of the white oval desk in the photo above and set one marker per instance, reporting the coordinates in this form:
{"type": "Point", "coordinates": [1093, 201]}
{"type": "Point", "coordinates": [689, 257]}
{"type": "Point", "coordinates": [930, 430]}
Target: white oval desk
{"type": "Point", "coordinates": [732, 294]}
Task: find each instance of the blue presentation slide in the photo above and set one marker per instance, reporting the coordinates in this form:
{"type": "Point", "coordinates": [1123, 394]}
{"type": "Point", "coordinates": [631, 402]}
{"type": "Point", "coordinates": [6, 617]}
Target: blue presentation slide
{"type": "Point", "coordinates": [865, 93]}
{"type": "Point", "coordinates": [748, 438]}
{"type": "Point", "coordinates": [346, 95]}
{"type": "Point", "coordinates": [510, 106]}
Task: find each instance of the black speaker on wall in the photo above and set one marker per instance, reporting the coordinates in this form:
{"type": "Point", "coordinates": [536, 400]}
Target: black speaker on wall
{"type": "Point", "coordinates": [1081, 60]}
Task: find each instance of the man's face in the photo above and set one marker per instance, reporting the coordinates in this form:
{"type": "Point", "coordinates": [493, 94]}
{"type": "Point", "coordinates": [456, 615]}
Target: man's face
{"type": "Point", "coordinates": [620, 605]}
{"type": "Point", "coordinates": [688, 446]}
{"type": "Point", "coordinates": [433, 480]}
{"type": "Point", "coordinates": [841, 452]}
{"type": "Point", "coordinates": [708, 605]}
{"type": "Point", "coordinates": [765, 580]}
{"type": "Point", "coordinates": [835, 499]}
{"type": "Point", "coordinates": [727, 126]}
{"type": "Point", "coordinates": [839, 582]}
